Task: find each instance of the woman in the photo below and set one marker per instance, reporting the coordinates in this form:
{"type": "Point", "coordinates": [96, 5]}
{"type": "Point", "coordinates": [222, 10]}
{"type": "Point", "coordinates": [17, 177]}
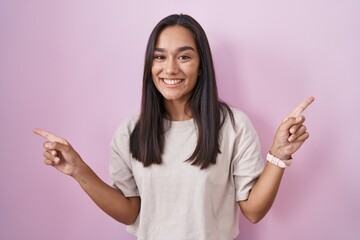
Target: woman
{"type": "Point", "coordinates": [187, 165]}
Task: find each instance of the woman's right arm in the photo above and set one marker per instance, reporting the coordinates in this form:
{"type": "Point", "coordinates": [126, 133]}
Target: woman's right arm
{"type": "Point", "coordinates": [62, 156]}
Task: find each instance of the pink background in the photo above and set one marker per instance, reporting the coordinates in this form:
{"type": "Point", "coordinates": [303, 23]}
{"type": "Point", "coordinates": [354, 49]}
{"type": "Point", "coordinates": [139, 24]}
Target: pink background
{"type": "Point", "coordinates": [75, 67]}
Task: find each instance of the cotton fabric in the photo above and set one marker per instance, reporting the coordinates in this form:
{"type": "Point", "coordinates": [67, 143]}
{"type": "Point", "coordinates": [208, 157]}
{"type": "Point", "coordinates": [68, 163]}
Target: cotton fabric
{"type": "Point", "coordinates": [179, 201]}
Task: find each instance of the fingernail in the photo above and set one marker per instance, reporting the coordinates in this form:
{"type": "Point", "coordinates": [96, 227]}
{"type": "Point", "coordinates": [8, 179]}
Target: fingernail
{"type": "Point", "coordinates": [47, 145]}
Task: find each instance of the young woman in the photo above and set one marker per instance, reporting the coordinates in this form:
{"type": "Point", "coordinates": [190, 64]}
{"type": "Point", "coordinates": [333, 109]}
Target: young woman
{"type": "Point", "coordinates": [187, 165]}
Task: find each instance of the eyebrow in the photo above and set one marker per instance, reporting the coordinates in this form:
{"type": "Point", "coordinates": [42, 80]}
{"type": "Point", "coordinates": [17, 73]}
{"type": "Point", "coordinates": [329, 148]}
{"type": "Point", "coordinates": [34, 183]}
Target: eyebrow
{"type": "Point", "coordinates": [180, 49]}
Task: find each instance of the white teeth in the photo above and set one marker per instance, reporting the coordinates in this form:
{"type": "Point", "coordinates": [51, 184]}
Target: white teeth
{"type": "Point", "coordinates": [171, 81]}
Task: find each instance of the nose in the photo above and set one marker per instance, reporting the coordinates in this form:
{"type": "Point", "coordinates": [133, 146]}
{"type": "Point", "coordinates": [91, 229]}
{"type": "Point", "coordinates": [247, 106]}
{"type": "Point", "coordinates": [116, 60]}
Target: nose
{"type": "Point", "coordinates": [171, 66]}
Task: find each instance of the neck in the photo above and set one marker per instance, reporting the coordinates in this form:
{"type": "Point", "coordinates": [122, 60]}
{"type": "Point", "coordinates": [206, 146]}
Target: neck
{"type": "Point", "coordinates": [177, 111]}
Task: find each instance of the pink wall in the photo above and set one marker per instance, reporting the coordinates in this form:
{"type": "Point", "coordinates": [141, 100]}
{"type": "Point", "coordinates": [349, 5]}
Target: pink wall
{"type": "Point", "coordinates": [74, 67]}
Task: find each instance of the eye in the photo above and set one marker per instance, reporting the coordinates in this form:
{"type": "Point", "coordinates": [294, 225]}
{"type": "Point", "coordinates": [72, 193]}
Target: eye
{"type": "Point", "coordinates": [159, 57]}
{"type": "Point", "coordinates": [184, 57]}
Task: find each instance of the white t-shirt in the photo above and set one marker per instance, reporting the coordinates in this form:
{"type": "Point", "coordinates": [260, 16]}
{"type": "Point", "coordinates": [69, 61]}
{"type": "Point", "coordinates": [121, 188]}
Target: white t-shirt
{"type": "Point", "coordinates": [179, 201]}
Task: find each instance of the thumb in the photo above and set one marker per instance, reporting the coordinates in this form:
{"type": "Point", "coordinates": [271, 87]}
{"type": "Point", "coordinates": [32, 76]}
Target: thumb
{"type": "Point", "coordinates": [56, 146]}
{"type": "Point", "coordinates": [291, 121]}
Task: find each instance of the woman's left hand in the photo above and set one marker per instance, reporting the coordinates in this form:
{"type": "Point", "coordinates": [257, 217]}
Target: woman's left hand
{"type": "Point", "coordinates": [292, 133]}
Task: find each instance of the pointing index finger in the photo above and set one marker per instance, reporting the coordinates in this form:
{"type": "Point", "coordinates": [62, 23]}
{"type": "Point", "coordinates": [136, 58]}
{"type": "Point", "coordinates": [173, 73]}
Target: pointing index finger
{"type": "Point", "coordinates": [49, 136]}
{"type": "Point", "coordinates": [301, 107]}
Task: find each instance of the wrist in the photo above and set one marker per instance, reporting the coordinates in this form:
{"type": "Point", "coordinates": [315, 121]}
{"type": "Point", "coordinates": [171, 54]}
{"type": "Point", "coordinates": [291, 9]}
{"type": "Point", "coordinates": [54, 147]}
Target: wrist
{"type": "Point", "coordinates": [282, 163]}
{"type": "Point", "coordinates": [80, 171]}
{"type": "Point", "coordinates": [277, 153]}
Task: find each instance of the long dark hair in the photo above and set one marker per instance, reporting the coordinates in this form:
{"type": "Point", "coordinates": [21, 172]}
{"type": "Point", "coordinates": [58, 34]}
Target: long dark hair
{"type": "Point", "coordinates": [208, 112]}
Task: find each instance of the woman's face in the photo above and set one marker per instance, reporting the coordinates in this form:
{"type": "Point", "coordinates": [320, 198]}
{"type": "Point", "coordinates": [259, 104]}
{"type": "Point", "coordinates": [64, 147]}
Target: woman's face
{"type": "Point", "coordinates": [175, 64]}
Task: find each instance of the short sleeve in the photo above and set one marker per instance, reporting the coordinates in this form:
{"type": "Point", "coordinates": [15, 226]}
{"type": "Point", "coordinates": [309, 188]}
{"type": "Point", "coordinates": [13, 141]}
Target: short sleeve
{"type": "Point", "coordinates": [120, 163]}
{"type": "Point", "coordinates": [247, 160]}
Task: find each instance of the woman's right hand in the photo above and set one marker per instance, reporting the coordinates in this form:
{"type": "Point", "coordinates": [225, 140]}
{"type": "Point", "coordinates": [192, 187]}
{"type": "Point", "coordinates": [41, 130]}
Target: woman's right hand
{"type": "Point", "coordinates": [60, 154]}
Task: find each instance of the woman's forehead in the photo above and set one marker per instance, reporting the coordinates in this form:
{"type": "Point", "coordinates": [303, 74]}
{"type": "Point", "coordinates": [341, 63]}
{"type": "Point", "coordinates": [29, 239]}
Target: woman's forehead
{"type": "Point", "coordinates": [175, 37]}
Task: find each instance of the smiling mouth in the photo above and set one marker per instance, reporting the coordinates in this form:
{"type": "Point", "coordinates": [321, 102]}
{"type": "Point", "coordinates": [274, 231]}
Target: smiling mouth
{"type": "Point", "coordinates": [171, 81]}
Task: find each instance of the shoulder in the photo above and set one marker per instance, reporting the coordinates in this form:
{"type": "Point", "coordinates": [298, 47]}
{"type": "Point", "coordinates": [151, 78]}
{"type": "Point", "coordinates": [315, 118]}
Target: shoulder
{"type": "Point", "coordinates": [240, 119]}
{"type": "Point", "coordinates": [239, 128]}
{"type": "Point", "coordinates": [126, 126]}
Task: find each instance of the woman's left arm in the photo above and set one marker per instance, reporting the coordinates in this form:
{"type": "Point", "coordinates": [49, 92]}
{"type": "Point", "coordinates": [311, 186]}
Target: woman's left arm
{"type": "Point", "coordinates": [288, 139]}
